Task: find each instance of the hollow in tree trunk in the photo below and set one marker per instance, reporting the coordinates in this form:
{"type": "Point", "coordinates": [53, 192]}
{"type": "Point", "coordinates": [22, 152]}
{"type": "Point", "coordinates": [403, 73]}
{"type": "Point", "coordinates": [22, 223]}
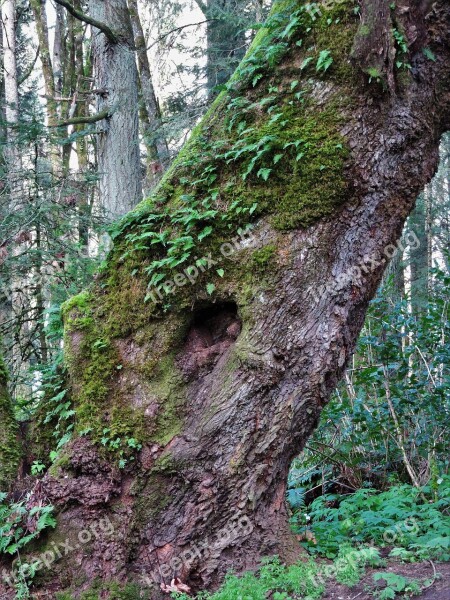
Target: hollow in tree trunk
{"type": "Point", "coordinates": [220, 368]}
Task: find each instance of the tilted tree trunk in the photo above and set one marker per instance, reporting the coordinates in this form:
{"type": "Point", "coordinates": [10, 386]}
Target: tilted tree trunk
{"type": "Point", "coordinates": [224, 378]}
{"type": "Point", "coordinates": [115, 73]}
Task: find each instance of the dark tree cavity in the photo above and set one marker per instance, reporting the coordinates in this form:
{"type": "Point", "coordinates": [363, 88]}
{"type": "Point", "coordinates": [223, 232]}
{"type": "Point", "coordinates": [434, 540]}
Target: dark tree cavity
{"type": "Point", "coordinates": [223, 379]}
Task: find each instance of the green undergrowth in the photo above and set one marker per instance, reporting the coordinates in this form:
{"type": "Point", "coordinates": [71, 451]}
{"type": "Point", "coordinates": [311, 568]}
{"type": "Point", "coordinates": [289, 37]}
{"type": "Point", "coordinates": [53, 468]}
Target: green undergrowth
{"type": "Point", "coordinates": [413, 523]}
{"type": "Point", "coordinates": [345, 535]}
{"type": "Point", "coordinates": [111, 590]}
{"type": "Point", "coordinates": [21, 522]}
{"type": "Point", "coordinates": [307, 580]}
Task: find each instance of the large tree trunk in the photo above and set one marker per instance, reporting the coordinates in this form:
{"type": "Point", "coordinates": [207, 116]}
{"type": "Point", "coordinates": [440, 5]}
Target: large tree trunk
{"type": "Point", "coordinates": [115, 74]}
{"type": "Point", "coordinates": [222, 387]}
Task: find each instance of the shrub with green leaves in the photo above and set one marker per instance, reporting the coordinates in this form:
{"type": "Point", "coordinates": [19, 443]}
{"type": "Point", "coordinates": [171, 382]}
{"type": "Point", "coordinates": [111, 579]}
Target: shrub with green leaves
{"type": "Point", "coordinates": [307, 580]}
{"type": "Point", "coordinates": [388, 419]}
{"type": "Point", "coordinates": [410, 521]}
{"type": "Point", "coordinates": [395, 584]}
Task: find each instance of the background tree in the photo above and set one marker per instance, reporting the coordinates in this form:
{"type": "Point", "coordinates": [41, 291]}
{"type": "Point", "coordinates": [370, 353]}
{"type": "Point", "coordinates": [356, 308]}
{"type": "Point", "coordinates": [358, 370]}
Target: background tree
{"type": "Point", "coordinates": [194, 382]}
{"type": "Point", "coordinates": [116, 79]}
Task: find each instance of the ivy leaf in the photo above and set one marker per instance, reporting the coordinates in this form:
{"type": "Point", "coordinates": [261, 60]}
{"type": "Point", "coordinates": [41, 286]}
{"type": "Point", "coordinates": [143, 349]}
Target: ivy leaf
{"type": "Point", "coordinates": [210, 287]}
{"type": "Point", "coordinates": [220, 272]}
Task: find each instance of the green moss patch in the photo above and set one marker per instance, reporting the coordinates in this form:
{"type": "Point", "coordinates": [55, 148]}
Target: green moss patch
{"type": "Point", "coordinates": [10, 451]}
{"type": "Point", "coordinates": [270, 147]}
{"type": "Point", "coordinates": [265, 148]}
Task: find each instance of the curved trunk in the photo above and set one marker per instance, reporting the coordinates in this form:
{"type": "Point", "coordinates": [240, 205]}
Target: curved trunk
{"type": "Point", "coordinates": [221, 367]}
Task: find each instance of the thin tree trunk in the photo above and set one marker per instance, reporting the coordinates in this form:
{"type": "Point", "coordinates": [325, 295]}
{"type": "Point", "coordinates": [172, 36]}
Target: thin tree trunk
{"type": "Point", "coordinates": [225, 41]}
{"type": "Point", "coordinates": [419, 257]}
{"type": "Point", "coordinates": [59, 46]}
{"type": "Point", "coordinates": [398, 433]}
{"type": "Point", "coordinates": [40, 17]}
{"type": "Point", "coordinates": [14, 178]}
{"type": "Point", "coordinates": [12, 153]}
{"type": "Point", "coordinates": [156, 144]}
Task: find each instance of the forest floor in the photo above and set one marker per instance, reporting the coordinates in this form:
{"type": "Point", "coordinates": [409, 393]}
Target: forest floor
{"type": "Point", "coordinates": [364, 589]}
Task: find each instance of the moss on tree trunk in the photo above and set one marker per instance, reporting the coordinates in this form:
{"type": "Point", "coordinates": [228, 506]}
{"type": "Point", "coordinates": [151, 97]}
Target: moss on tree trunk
{"type": "Point", "coordinates": [9, 441]}
{"type": "Point", "coordinates": [203, 354]}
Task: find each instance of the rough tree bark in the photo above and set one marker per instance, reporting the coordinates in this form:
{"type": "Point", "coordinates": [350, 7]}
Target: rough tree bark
{"type": "Point", "coordinates": [115, 73]}
{"type": "Point", "coordinates": [18, 301]}
{"type": "Point", "coordinates": [10, 79]}
{"type": "Point", "coordinates": [222, 387]}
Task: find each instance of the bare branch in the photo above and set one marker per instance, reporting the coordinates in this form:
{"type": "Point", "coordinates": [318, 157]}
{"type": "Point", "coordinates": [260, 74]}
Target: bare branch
{"type": "Point", "coordinates": [112, 37]}
{"type": "Point", "coordinates": [164, 35]}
